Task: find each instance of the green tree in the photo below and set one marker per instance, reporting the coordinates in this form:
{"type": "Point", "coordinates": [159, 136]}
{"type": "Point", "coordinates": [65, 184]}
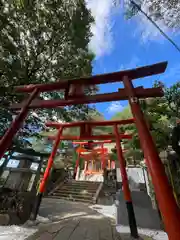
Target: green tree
{"type": "Point", "coordinates": [160, 114]}
{"type": "Point", "coordinates": [93, 115]}
{"type": "Point", "coordinates": [124, 114]}
{"type": "Point", "coordinates": [133, 145]}
{"type": "Point", "coordinates": [43, 41]}
{"type": "Point", "coordinates": [172, 95]}
{"type": "Point", "coordinates": [165, 11]}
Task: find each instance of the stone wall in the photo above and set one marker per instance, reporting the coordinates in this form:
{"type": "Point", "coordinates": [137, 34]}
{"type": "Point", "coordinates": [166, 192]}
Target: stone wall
{"type": "Point", "coordinates": [15, 206]}
{"type": "Point", "coordinates": [137, 176]}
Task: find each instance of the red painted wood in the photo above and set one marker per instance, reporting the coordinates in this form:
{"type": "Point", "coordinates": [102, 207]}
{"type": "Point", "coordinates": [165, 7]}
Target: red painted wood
{"type": "Point", "coordinates": [139, 72]}
{"type": "Point", "coordinates": [106, 97]}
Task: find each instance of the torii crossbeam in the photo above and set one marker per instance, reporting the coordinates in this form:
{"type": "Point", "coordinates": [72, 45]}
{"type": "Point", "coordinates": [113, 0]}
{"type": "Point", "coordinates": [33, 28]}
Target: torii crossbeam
{"type": "Point", "coordinates": [86, 129]}
{"type": "Point", "coordinates": [74, 94]}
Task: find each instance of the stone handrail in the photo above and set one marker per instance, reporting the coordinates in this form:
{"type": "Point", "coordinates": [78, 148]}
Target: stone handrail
{"type": "Point", "coordinates": [95, 197]}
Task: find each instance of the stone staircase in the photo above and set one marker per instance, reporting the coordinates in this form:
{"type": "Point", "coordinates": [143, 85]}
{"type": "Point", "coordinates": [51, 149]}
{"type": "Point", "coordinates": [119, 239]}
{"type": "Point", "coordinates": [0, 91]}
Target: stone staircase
{"type": "Point", "coordinates": [82, 191]}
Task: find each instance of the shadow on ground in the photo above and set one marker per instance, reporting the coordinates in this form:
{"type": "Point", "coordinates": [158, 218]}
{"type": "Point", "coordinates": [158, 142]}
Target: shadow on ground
{"type": "Point", "coordinates": [75, 222]}
{"type": "Point", "coordinates": [55, 209]}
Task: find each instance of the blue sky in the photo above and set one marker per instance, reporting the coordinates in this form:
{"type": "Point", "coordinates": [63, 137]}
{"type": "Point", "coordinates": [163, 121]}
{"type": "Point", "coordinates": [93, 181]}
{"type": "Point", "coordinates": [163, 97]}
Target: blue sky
{"type": "Point", "coordinates": [127, 44]}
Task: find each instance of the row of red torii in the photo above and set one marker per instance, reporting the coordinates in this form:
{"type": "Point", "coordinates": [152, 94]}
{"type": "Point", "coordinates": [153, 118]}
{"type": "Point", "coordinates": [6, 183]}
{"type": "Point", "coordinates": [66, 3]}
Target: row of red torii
{"type": "Point", "coordinates": [95, 149]}
{"type": "Point", "coordinates": [88, 154]}
{"type": "Point", "coordinates": [73, 95]}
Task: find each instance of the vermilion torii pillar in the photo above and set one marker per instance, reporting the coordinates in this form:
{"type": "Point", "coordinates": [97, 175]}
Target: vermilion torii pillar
{"type": "Point", "coordinates": [91, 137]}
{"type": "Point", "coordinates": [46, 175]}
{"type": "Point", "coordinates": [125, 184]}
{"type": "Point", "coordinates": [6, 140]}
{"type": "Point", "coordinates": [73, 96]}
{"type": "Point", "coordinates": [118, 136]}
{"type": "Point", "coordinates": [163, 191]}
{"type": "Point", "coordinates": [83, 136]}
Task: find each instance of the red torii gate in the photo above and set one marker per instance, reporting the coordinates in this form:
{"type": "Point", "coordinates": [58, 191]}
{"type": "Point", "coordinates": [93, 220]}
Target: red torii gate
{"type": "Point", "coordinates": [88, 155]}
{"type": "Point", "coordinates": [73, 96]}
{"type": "Point", "coordinates": [103, 152]}
{"type": "Point", "coordinates": [86, 129]}
{"type": "Point", "coordinates": [86, 133]}
{"type": "Point", "coordinates": [93, 143]}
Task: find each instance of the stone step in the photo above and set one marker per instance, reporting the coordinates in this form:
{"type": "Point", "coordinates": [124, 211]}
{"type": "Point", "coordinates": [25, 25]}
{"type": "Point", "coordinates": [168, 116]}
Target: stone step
{"type": "Point", "coordinates": [82, 185]}
{"type": "Point", "coordinates": [85, 182]}
{"type": "Point", "coordinates": [78, 188]}
{"type": "Point", "coordinates": [73, 195]}
{"type": "Point", "coordinates": [69, 199]}
{"type": "Point", "coordinates": [83, 192]}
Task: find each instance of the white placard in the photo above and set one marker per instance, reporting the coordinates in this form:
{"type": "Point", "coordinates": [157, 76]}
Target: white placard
{"type": "Point", "coordinates": [13, 163]}
{"type": "Point", "coordinates": [31, 182]}
{"type": "Point", "coordinates": [34, 166]}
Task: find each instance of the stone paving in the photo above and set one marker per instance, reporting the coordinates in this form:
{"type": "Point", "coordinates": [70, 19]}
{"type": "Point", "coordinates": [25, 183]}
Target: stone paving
{"type": "Point", "coordinates": [79, 228]}
{"type": "Point", "coordinates": [73, 221]}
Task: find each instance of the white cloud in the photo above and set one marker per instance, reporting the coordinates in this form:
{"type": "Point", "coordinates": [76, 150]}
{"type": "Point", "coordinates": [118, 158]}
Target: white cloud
{"type": "Point", "coordinates": [132, 64]}
{"type": "Point", "coordinates": [115, 107]}
{"type": "Point", "coordinates": [102, 39]}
